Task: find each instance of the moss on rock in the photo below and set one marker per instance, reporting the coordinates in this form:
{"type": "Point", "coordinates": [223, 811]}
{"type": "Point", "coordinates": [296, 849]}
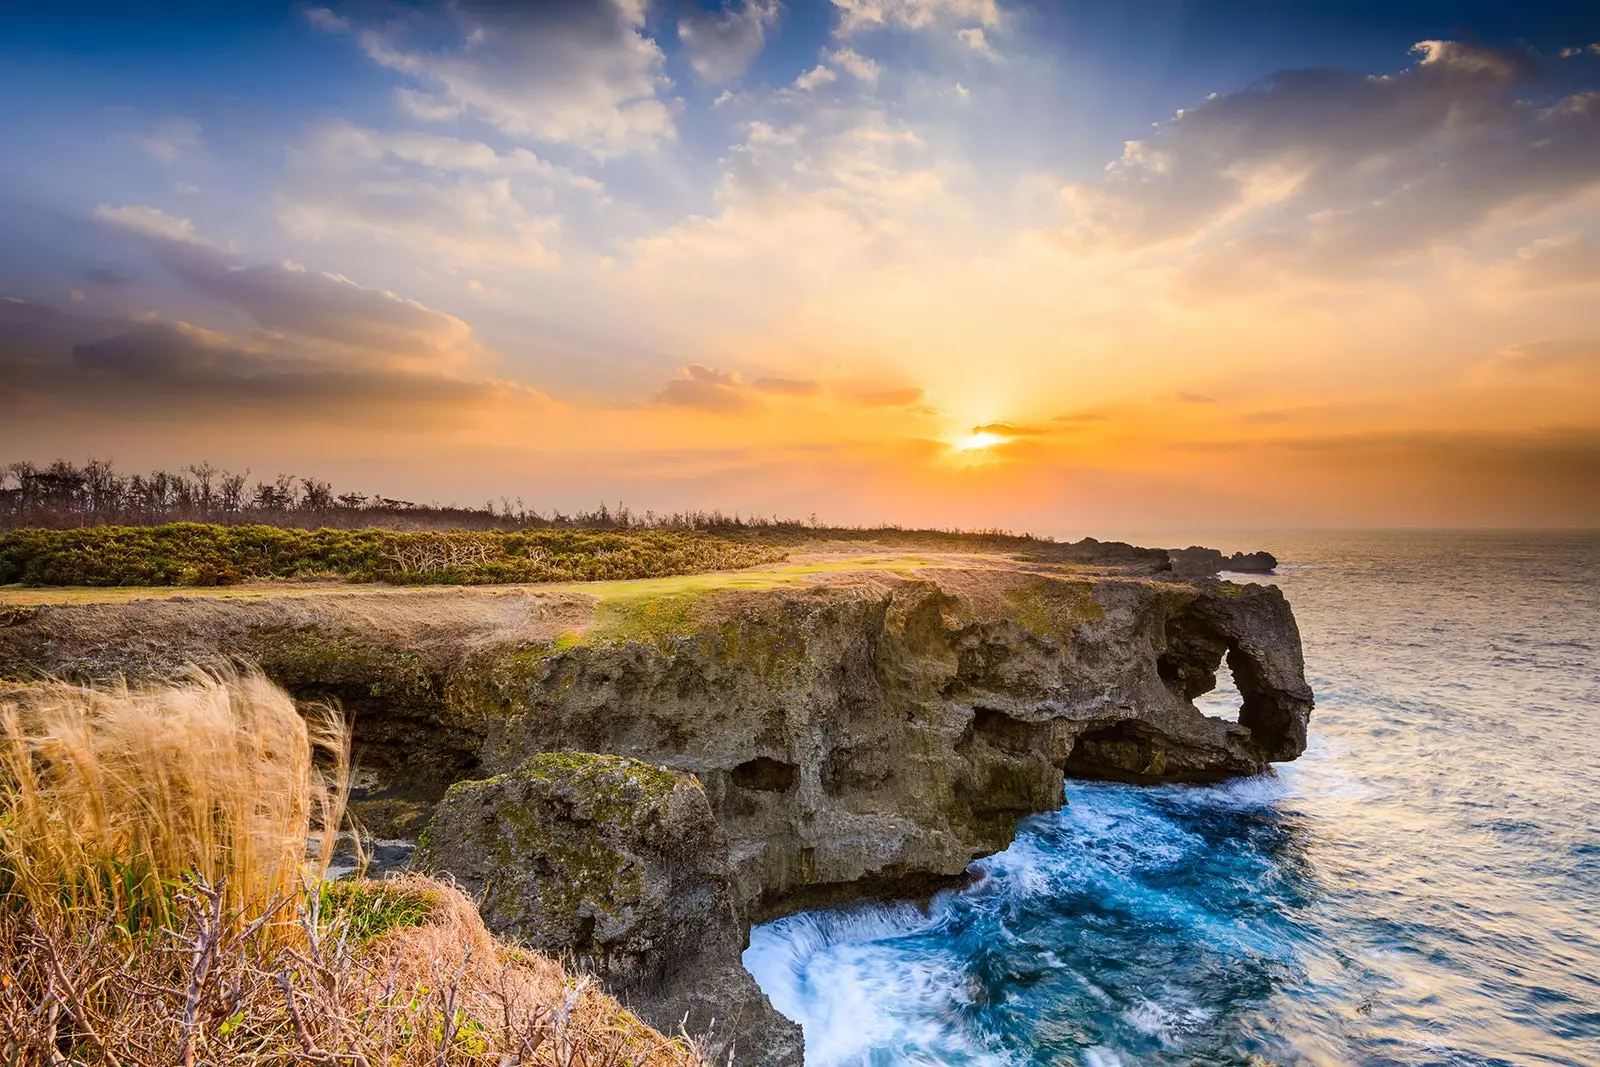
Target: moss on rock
{"type": "Point", "coordinates": [1053, 606]}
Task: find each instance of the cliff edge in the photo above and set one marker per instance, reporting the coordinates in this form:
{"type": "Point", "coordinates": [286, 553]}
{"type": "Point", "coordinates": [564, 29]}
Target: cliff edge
{"type": "Point", "coordinates": [854, 729]}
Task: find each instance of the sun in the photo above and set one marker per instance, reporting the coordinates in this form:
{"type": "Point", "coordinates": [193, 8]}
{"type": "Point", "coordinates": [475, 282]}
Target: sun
{"type": "Point", "coordinates": [975, 442]}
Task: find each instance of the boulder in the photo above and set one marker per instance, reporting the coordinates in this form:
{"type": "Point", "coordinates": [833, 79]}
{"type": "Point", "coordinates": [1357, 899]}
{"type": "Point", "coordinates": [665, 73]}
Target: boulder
{"type": "Point", "coordinates": [619, 865]}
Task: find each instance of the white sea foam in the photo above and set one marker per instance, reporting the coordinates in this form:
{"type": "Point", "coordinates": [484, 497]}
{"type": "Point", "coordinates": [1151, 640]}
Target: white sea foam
{"type": "Point", "coordinates": [833, 973]}
{"type": "Point", "coordinates": [1166, 1020]}
{"type": "Point", "coordinates": [1100, 1056]}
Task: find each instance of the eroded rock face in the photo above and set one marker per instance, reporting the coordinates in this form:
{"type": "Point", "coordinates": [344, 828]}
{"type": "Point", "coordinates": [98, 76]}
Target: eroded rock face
{"type": "Point", "coordinates": [888, 737]}
{"type": "Point", "coordinates": [621, 865]}
{"type": "Point", "coordinates": [859, 735]}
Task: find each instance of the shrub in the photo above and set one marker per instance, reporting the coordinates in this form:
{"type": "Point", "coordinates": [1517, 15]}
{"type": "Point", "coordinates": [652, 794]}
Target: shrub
{"type": "Point", "coordinates": [201, 555]}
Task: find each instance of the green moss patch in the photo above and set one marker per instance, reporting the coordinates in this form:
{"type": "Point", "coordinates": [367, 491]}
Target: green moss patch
{"type": "Point", "coordinates": [1053, 606]}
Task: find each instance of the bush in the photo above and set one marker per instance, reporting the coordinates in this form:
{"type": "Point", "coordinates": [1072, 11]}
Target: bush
{"type": "Point", "coordinates": [197, 554]}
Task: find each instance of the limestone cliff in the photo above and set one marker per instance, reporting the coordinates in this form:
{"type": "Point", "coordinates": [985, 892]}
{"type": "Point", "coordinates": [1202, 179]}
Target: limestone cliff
{"type": "Point", "coordinates": [855, 732]}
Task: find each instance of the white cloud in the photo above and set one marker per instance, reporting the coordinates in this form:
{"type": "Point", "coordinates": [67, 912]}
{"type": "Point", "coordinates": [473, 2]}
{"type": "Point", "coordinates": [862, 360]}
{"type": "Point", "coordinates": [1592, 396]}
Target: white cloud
{"type": "Point", "coordinates": [973, 37]}
{"type": "Point", "coordinates": [816, 76]}
{"type": "Point", "coordinates": [426, 106]}
{"type": "Point", "coordinates": [854, 63]}
{"type": "Point", "coordinates": [721, 45]}
{"type": "Point", "coordinates": [583, 73]}
{"type": "Point", "coordinates": [1332, 171]}
{"type": "Point", "coordinates": [172, 139]}
{"type": "Point", "coordinates": [857, 15]}
{"type": "Point", "coordinates": [344, 146]}
{"type": "Point", "coordinates": [454, 199]}
{"type": "Point", "coordinates": [150, 222]}
{"type": "Point", "coordinates": [326, 21]}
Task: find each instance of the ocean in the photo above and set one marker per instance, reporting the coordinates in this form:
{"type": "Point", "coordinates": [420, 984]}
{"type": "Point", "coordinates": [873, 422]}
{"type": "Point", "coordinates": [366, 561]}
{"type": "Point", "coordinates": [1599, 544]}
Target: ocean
{"type": "Point", "coordinates": [1421, 887]}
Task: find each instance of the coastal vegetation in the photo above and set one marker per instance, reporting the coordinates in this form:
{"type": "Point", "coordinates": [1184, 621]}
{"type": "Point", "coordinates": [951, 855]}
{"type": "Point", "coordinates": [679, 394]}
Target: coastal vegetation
{"type": "Point", "coordinates": [64, 495]}
{"type": "Point", "coordinates": [197, 554]}
{"type": "Point", "coordinates": [162, 901]}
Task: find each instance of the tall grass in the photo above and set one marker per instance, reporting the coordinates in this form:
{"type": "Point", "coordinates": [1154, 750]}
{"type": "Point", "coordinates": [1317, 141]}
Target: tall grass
{"type": "Point", "coordinates": [111, 795]}
{"type": "Point", "coordinates": [161, 902]}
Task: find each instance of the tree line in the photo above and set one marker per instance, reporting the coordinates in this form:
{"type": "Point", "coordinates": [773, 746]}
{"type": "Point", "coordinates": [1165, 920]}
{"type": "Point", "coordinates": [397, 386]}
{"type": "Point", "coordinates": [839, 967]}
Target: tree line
{"type": "Point", "coordinates": [64, 494]}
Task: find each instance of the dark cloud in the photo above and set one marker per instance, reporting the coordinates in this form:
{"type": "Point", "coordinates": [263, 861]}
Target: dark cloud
{"type": "Point", "coordinates": [106, 277]}
{"type": "Point", "coordinates": [52, 361]}
{"type": "Point", "coordinates": [1006, 429]}
{"type": "Point", "coordinates": [330, 307]}
{"type": "Point", "coordinates": [1193, 398]}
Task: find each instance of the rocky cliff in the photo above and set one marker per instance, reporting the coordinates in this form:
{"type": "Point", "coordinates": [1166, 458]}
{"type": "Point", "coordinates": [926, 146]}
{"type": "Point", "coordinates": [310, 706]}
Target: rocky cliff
{"type": "Point", "coordinates": [854, 732]}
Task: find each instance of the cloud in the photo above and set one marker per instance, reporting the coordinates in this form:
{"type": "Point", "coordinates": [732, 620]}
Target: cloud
{"type": "Point", "coordinates": [1183, 397]}
{"type": "Point", "coordinates": [171, 140]}
{"type": "Point", "coordinates": [106, 278]}
{"type": "Point", "coordinates": [721, 44]}
{"type": "Point", "coordinates": [812, 200]}
{"type": "Point", "coordinates": [1334, 171]}
{"type": "Point", "coordinates": [787, 386]}
{"type": "Point", "coordinates": [853, 63]}
{"type": "Point", "coordinates": [1006, 429]}
{"type": "Point", "coordinates": [151, 222]}
{"type": "Point", "coordinates": [892, 398]}
{"type": "Point", "coordinates": [816, 76]}
{"type": "Point", "coordinates": [1552, 263]}
{"type": "Point", "coordinates": [702, 388]}
{"type": "Point", "coordinates": [52, 363]}
{"type": "Point", "coordinates": [856, 15]}
{"type": "Point", "coordinates": [582, 73]}
{"type": "Point", "coordinates": [1560, 364]}
{"type": "Point", "coordinates": [326, 21]}
{"type": "Point", "coordinates": [973, 37]}
{"type": "Point", "coordinates": [287, 298]}
{"type": "Point", "coordinates": [455, 199]}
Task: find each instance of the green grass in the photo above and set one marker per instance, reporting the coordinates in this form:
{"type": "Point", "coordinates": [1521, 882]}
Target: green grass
{"type": "Point", "coordinates": [372, 908]}
{"type": "Point", "coordinates": [198, 555]}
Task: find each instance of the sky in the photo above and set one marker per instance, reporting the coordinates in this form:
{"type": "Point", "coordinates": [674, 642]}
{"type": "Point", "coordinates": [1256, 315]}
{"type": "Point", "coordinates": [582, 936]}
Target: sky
{"type": "Point", "coordinates": [1065, 267]}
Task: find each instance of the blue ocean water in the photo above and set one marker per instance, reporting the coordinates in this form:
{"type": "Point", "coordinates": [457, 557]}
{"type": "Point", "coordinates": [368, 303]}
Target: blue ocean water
{"type": "Point", "coordinates": [1421, 887]}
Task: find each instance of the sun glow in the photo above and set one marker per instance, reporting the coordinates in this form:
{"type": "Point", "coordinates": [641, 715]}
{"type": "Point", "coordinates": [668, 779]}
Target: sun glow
{"type": "Point", "coordinates": [975, 442]}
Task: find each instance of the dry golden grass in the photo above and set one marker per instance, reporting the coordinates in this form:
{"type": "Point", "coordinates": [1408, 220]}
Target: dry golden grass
{"type": "Point", "coordinates": [111, 795]}
{"type": "Point", "coordinates": [161, 905]}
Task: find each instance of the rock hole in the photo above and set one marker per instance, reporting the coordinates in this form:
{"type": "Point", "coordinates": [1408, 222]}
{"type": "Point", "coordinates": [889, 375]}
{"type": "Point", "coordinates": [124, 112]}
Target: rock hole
{"type": "Point", "coordinates": [765, 775]}
{"type": "Point", "coordinates": [1225, 700]}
